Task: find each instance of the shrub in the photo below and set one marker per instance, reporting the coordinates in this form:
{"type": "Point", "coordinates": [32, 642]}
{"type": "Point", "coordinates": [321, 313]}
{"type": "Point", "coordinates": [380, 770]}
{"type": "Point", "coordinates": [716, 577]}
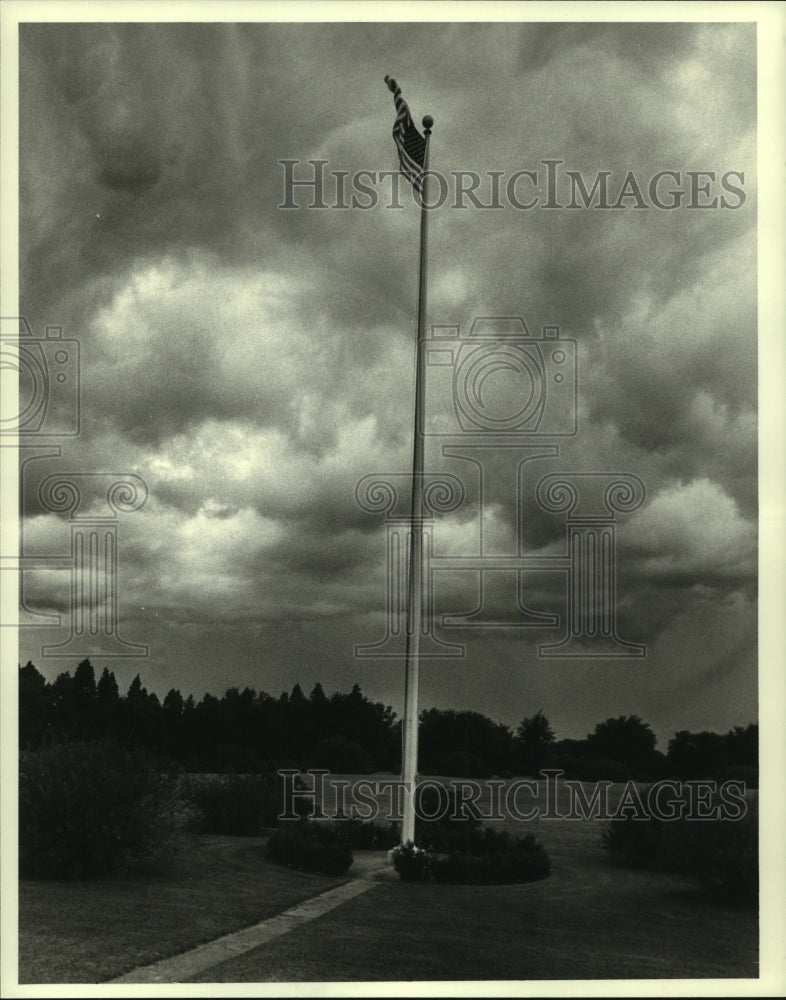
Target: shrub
{"type": "Point", "coordinates": [310, 846]}
{"type": "Point", "coordinates": [237, 805]}
{"type": "Point", "coordinates": [449, 827]}
{"type": "Point", "coordinates": [412, 863]}
{"type": "Point", "coordinates": [722, 855]}
{"type": "Point", "coordinates": [476, 857]}
{"type": "Point", "coordinates": [90, 808]}
{"type": "Point", "coordinates": [493, 858]}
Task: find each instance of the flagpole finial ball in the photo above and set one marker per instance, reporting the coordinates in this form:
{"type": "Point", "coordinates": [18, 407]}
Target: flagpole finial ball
{"type": "Point", "coordinates": [428, 121]}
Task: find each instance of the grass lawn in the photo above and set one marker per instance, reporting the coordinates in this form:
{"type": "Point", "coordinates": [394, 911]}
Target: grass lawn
{"type": "Point", "coordinates": [637, 929]}
{"type": "Point", "coordinates": [90, 931]}
{"type": "Point", "coordinates": [587, 920]}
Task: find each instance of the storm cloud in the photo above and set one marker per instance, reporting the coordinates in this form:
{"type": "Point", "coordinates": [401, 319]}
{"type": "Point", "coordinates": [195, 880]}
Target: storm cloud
{"type": "Point", "coordinates": [252, 364]}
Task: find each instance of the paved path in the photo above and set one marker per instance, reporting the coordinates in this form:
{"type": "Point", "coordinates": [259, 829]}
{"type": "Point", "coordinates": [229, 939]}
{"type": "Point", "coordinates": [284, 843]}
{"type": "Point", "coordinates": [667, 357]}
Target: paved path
{"type": "Point", "coordinates": [368, 870]}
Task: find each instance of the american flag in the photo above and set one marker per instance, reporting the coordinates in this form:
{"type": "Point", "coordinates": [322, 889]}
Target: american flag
{"type": "Point", "coordinates": [410, 143]}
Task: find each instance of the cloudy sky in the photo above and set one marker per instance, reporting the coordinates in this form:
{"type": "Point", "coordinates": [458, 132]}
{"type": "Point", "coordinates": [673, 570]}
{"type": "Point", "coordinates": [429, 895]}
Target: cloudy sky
{"type": "Point", "coordinates": [252, 364]}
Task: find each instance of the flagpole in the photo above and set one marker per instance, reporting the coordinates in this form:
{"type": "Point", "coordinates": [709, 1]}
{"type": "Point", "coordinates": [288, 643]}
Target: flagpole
{"type": "Point", "coordinates": [415, 575]}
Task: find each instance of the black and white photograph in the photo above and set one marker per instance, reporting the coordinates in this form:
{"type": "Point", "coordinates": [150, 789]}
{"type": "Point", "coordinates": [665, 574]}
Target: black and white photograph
{"type": "Point", "coordinates": [392, 450]}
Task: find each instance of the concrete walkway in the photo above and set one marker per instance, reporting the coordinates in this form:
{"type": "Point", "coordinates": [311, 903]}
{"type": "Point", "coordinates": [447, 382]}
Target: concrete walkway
{"type": "Point", "coordinates": [368, 869]}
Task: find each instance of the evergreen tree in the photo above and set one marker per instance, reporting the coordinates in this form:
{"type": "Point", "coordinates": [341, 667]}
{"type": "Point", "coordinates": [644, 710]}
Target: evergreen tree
{"type": "Point", "coordinates": [172, 723]}
{"type": "Point", "coordinates": [107, 689]}
{"type": "Point", "coordinates": [85, 680]}
{"type": "Point", "coordinates": [535, 740]}
{"type": "Point", "coordinates": [65, 721]}
{"type": "Point", "coordinates": [34, 706]}
{"type": "Point", "coordinates": [140, 715]}
{"type": "Point", "coordinates": [108, 703]}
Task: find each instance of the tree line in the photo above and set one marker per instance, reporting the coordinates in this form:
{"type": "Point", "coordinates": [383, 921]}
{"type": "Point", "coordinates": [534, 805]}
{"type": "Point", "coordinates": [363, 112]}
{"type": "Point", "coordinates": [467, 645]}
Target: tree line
{"type": "Point", "coordinates": [252, 731]}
